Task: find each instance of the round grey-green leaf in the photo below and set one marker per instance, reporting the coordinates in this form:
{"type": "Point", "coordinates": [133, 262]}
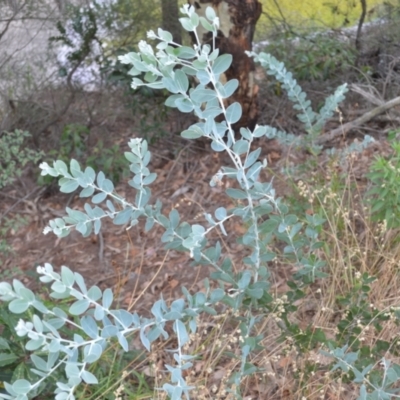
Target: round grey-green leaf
{"type": "Point", "coordinates": [187, 24]}
{"type": "Point", "coordinates": [233, 113]}
{"type": "Point", "coordinates": [68, 186]}
{"type": "Point", "coordinates": [221, 64]}
{"type": "Point", "coordinates": [21, 386]}
{"type": "Point", "coordinates": [181, 81]}
{"type": "Point", "coordinates": [192, 134]}
{"type": "Point", "coordinates": [88, 377]}
{"type": "Point", "coordinates": [18, 306]}
{"type": "Point", "coordinates": [79, 307]}
{"type": "Point", "coordinates": [99, 197]}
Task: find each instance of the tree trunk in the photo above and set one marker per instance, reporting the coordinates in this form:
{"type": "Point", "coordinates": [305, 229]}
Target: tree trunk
{"type": "Point", "coordinates": [170, 19]}
{"type": "Point", "coordinates": [238, 20]}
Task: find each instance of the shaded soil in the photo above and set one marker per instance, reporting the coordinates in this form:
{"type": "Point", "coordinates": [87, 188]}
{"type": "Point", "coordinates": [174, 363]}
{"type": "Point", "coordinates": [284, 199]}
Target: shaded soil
{"type": "Point", "coordinates": [129, 260]}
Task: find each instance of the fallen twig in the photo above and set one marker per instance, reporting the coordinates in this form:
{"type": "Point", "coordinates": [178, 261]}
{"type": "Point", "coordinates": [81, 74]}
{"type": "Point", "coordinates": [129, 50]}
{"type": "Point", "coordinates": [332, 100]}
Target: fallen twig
{"type": "Point", "coordinates": [21, 200]}
{"type": "Point", "coordinates": [343, 129]}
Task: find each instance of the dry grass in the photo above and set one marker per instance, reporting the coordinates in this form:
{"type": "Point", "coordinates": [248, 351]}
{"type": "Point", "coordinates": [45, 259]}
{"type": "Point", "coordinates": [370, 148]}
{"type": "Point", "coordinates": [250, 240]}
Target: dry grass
{"type": "Point", "coordinates": [354, 246]}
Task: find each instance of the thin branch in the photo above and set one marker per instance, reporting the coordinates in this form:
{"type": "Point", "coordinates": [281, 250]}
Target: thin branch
{"type": "Point", "coordinates": [343, 129]}
{"type": "Point", "coordinates": [42, 189]}
{"type": "Point", "coordinates": [13, 18]}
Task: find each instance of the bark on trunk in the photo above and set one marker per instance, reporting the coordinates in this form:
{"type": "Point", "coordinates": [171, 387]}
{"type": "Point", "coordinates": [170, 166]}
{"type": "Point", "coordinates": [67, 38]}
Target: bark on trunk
{"type": "Point", "coordinates": [170, 19]}
{"type": "Point", "coordinates": [238, 20]}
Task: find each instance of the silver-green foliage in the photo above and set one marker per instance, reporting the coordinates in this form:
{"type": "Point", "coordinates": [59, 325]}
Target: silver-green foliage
{"type": "Point", "coordinates": [313, 121]}
{"type": "Point", "coordinates": [266, 217]}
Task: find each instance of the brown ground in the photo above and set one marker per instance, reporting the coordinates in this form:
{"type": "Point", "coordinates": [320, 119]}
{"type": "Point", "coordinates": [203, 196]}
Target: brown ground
{"type": "Point", "coordinates": [132, 262]}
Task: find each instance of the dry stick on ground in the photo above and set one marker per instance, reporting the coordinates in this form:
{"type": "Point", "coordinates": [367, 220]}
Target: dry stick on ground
{"type": "Point", "coordinates": [372, 95]}
{"type": "Point", "coordinates": [21, 200]}
{"type": "Point", "coordinates": [343, 129]}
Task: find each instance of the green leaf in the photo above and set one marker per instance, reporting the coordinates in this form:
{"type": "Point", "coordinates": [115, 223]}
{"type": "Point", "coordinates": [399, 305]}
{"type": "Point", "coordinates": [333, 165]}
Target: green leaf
{"type": "Point", "coordinates": [37, 323]}
{"type": "Point", "coordinates": [7, 359]}
{"type": "Point", "coordinates": [182, 81]}
{"type": "Point", "coordinates": [174, 218]}
{"type": "Point", "coordinates": [107, 298]}
{"type": "Point", "coordinates": [61, 168]}
{"type": "Point", "coordinates": [80, 282]}
{"type": "Point", "coordinates": [184, 105]}
{"type": "Point", "coordinates": [218, 147]}
{"type": "Point", "coordinates": [170, 84]}
{"type": "Point", "coordinates": [220, 213]}
{"type": "Point", "coordinates": [221, 64]}
{"type": "Point", "coordinates": [206, 25]}
{"type": "Point", "coordinates": [99, 197]}
{"type": "Point", "coordinates": [58, 287]}
{"type": "Point", "coordinates": [252, 158]}
{"type": "Point", "coordinates": [241, 147]}
{"type": "Point", "coordinates": [87, 192]}
{"type": "Point", "coordinates": [67, 276]}
{"type": "Point", "coordinates": [181, 332]}
{"type": "Point", "coordinates": [97, 226]}
{"type": "Point", "coordinates": [203, 76]}
{"type": "Point", "coordinates": [18, 306]}
{"type": "Point", "coordinates": [187, 24]}
{"type": "Point", "coordinates": [68, 185]}
{"type": "Point", "coordinates": [202, 95]}
{"type": "Point", "coordinates": [149, 179]}
{"type": "Point", "coordinates": [230, 87]}
{"type": "Point", "coordinates": [79, 307]}
{"type": "Point", "coordinates": [88, 377]}
{"type": "Point", "coordinates": [107, 186]}
{"type": "Point", "coordinates": [21, 386]}
{"type": "Point", "coordinates": [233, 113]}
{"type": "Point", "coordinates": [185, 52]}
{"type": "Point", "coordinates": [165, 35]}
{"type": "Point", "coordinates": [255, 293]}
{"type": "Point", "coordinates": [26, 294]}
{"type": "Point", "coordinates": [40, 364]}
{"type": "Point", "coordinates": [217, 295]}
{"type": "Point", "coordinates": [194, 132]}
{"type": "Point", "coordinates": [259, 131]}
{"type": "Point", "coordinates": [210, 13]}
{"type": "Point", "coordinates": [244, 280]}
{"type": "Point", "coordinates": [93, 353]}
{"type": "Point", "coordinates": [212, 112]}
{"type": "Point", "coordinates": [144, 340]}
{"type": "Point", "coordinates": [170, 102]}
{"type": "Point", "coordinates": [4, 344]}
{"type": "Point", "coordinates": [75, 168]}
{"type": "Point", "coordinates": [194, 18]}
{"type": "Point", "coordinates": [236, 194]}
{"type": "Point", "coordinates": [123, 216]}
{"type": "Point", "coordinates": [94, 293]}
{"type": "Point", "coordinates": [122, 341]}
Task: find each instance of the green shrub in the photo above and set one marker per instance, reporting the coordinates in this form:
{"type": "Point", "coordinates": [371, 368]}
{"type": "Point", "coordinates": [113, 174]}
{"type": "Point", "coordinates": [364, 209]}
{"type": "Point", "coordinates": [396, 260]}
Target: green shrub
{"type": "Point", "coordinates": [273, 234]}
{"type": "Point", "coordinates": [7, 225]}
{"type": "Point", "coordinates": [314, 58]}
{"type": "Point", "coordinates": [14, 155]}
{"type": "Point", "coordinates": [73, 144]}
{"type": "Point", "coordinates": [384, 195]}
